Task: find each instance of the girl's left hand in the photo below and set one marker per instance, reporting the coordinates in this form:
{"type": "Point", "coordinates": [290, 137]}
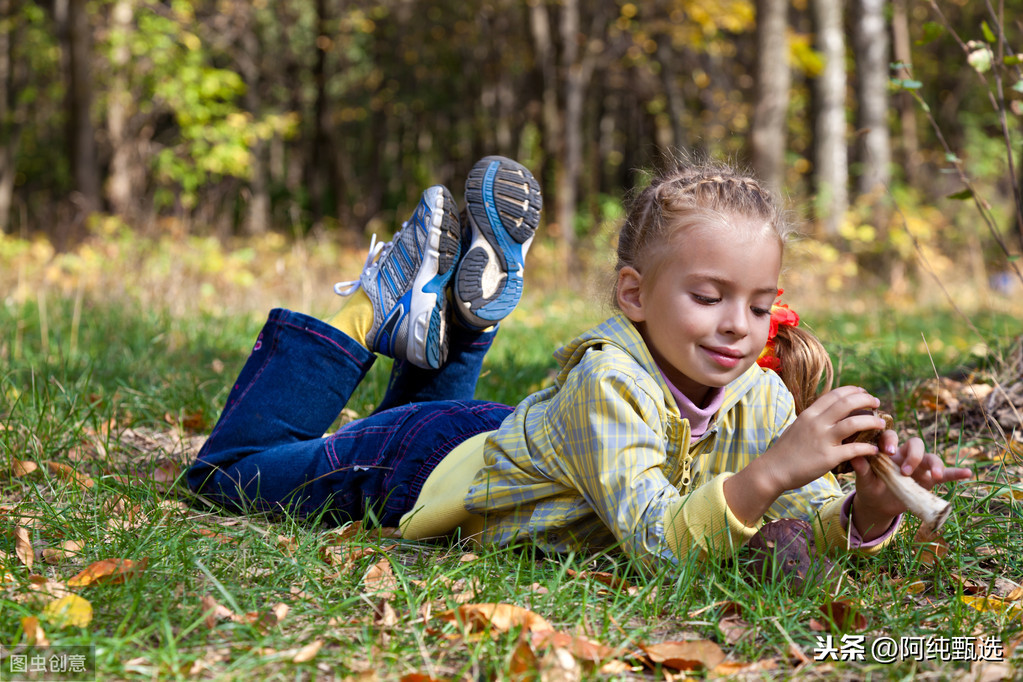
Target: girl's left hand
{"type": "Point", "coordinates": [926, 468]}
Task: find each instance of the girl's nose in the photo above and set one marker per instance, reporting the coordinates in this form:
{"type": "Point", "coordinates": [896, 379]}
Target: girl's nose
{"type": "Point", "coordinates": [735, 320]}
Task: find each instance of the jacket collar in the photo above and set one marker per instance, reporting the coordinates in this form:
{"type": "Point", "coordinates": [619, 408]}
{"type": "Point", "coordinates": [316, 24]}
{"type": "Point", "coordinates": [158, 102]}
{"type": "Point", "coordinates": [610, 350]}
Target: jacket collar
{"type": "Point", "coordinates": [620, 332]}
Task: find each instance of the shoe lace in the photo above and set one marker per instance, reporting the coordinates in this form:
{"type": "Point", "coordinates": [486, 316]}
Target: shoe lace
{"type": "Point", "coordinates": [350, 287]}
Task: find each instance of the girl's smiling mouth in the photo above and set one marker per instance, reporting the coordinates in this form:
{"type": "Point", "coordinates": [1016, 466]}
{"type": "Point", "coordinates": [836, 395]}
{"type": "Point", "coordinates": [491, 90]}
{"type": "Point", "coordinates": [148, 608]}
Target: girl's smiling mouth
{"type": "Point", "coordinates": [723, 356]}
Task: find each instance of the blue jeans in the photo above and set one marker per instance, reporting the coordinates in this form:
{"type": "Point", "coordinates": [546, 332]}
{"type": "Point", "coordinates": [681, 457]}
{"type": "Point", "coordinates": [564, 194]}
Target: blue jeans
{"type": "Point", "coordinates": [268, 453]}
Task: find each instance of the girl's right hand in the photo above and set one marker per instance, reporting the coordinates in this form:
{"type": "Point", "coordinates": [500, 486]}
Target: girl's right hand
{"type": "Point", "coordinates": [815, 443]}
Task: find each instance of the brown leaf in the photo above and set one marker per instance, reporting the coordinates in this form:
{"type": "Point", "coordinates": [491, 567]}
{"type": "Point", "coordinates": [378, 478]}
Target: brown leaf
{"type": "Point", "coordinates": [42, 587]}
{"type": "Point", "coordinates": [384, 614]}
{"type": "Point", "coordinates": [732, 668]}
{"type": "Point", "coordinates": [108, 571]}
{"type": "Point", "coordinates": [932, 546]}
{"type": "Point", "coordinates": [699, 654]}
{"type": "Point", "coordinates": [194, 421]}
{"type": "Point", "coordinates": [34, 634]}
{"type": "Point", "coordinates": [734, 629]}
{"type": "Point", "coordinates": [843, 615]}
{"type": "Point", "coordinates": [213, 535]}
{"type": "Point", "coordinates": [601, 577]}
{"type": "Point", "coordinates": [380, 580]}
{"type": "Point", "coordinates": [68, 549]}
{"type": "Point", "coordinates": [308, 652]}
{"type": "Point", "coordinates": [22, 467]}
{"type": "Point", "coordinates": [213, 612]}
{"type": "Point", "coordinates": [166, 472]}
{"type": "Point", "coordinates": [286, 545]}
{"type": "Point", "coordinates": [65, 472]}
{"type": "Point", "coordinates": [23, 546]}
{"type": "Point", "coordinates": [581, 647]}
{"type": "Point", "coordinates": [495, 617]}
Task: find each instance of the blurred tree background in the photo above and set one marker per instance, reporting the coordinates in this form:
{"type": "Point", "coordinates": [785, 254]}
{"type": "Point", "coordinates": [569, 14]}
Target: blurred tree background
{"type": "Point", "coordinates": [225, 118]}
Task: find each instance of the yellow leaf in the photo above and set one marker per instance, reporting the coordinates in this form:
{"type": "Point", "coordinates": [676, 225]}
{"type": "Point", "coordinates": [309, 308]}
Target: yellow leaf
{"type": "Point", "coordinates": [69, 610]}
{"type": "Point", "coordinates": [993, 604]}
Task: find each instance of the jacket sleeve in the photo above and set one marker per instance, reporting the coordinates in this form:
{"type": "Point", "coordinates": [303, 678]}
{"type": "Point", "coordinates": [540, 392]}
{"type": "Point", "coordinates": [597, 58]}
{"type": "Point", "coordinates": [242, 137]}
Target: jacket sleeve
{"type": "Point", "coordinates": [612, 441]}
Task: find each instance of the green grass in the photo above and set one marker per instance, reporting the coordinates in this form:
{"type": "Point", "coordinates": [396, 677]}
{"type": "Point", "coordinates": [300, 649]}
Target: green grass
{"type": "Point", "coordinates": [115, 390]}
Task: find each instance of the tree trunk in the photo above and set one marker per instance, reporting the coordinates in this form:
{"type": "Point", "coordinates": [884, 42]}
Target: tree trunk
{"type": "Point", "coordinates": [257, 212]}
{"type": "Point", "coordinates": [543, 47]}
{"type": "Point", "coordinates": [903, 100]}
{"type": "Point", "coordinates": [831, 172]}
{"type": "Point", "coordinates": [870, 45]}
{"type": "Point", "coordinates": [119, 186]}
{"type": "Point", "coordinates": [575, 93]}
{"type": "Point", "coordinates": [10, 127]}
{"type": "Point", "coordinates": [76, 47]}
{"type": "Point", "coordinates": [773, 80]}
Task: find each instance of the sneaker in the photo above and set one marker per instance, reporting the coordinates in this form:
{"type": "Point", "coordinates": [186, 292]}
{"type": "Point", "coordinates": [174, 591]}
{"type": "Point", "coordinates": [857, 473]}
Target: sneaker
{"type": "Point", "coordinates": [503, 206]}
{"type": "Point", "coordinates": [406, 280]}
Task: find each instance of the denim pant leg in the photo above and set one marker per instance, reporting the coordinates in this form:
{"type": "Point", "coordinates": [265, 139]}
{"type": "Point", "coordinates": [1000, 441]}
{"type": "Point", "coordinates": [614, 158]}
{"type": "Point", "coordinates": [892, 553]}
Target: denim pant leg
{"type": "Point", "coordinates": [266, 450]}
{"type": "Point", "coordinates": [455, 380]}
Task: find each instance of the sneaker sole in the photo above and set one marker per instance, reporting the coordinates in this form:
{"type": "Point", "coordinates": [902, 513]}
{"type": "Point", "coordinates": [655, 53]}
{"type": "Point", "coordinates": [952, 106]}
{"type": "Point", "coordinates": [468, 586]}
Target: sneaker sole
{"type": "Point", "coordinates": [420, 335]}
{"type": "Point", "coordinates": [503, 201]}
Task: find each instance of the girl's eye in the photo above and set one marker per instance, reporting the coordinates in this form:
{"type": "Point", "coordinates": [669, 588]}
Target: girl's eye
{"type": "Point", "coordinates": [705, 300]}
{"type": "Point", "coordinates": [761, 312]}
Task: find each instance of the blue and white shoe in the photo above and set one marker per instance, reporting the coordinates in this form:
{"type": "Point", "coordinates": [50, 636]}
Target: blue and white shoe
{"type": "Point", "coordinates": [406, 279]}
{"type": "Point", "coordinates": [503, 205]}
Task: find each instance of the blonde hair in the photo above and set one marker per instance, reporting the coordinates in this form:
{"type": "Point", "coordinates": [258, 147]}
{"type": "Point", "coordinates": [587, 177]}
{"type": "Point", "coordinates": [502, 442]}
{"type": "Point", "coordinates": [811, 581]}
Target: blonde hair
{"type": "Point", "coordinates": [682, 197]}
{"type": "Point", "coordinates": [806, 366]}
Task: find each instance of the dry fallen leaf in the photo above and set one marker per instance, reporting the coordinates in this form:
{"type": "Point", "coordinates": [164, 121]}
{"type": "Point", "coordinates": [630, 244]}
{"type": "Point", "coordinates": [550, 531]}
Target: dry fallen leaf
{"type": "Point", "coordinates": [22, 467]}
{"type": "Point", "coordinates": [66, 550]}
{"type": "Point", "coordinates": [23, 546]}
{"type": "Point", "coordinates": [699, 654]}
{"type": "Point", "coordinates": [495, 617]}
{"type": "Point", "coordinates": [993, 604]}
{"type": "Point", "coordinates": [308, 652]}
{"type": "Point", "coordinates": [108, 571]}
{"type": "Point", "coordinates": [65, 472]}
{"type": "Point", "coordinates": [932, 546]}
{"type": "Point", "coordinates": [213, 612]}
{"type": "Point", "coordinates": [840, 615]}
{"type": "Point", "coordinates": [34, 634]}
{"type": "Point", "coordinates": [69, 610]}
{"type": "Point", "coordinates": [583, 648]}
{"type": "Point", "coordinates": [608, 579]}
{"type": "Point", "coordinates": [379, 579]}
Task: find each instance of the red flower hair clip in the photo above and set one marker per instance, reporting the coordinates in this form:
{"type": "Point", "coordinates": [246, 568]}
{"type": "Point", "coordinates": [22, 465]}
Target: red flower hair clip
{"type": "Point", "coordinates": [781, 314]}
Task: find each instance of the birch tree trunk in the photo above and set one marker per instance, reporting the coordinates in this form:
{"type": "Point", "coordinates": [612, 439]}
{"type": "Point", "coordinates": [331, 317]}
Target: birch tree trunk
{"type": "Point", "coordinates": [870, 46]}
{"type": "Point", "coordinates": [831, 171]}
{"type": "Point", "coordinates": [119, 185]}
{"type": "Point", "coordinates": [773, 80]}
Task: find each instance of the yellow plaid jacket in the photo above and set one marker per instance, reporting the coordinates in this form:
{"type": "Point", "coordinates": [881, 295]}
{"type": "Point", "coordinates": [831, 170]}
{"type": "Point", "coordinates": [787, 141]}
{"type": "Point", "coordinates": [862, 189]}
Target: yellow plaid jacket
{"type": "Point", "coordinates": [604, 457]}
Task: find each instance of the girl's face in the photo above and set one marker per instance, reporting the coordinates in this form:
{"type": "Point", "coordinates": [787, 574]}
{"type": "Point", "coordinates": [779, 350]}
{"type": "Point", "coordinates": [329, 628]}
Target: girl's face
{"type": "Point", "coordinates": [706, 311]}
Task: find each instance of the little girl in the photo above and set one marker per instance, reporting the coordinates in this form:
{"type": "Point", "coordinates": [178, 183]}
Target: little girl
{"type": "Point", "coordinates": [661, 434]}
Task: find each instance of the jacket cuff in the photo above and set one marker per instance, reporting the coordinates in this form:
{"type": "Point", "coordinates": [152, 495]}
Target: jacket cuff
{"type": "Point", "coordinates": [834, 529]}
{"type": "Point", "coordinates": [702, 520]}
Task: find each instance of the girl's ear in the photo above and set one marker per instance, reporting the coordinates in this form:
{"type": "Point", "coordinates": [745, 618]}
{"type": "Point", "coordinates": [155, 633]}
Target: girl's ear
{"type": "Point", "coordinates": [630, 293]}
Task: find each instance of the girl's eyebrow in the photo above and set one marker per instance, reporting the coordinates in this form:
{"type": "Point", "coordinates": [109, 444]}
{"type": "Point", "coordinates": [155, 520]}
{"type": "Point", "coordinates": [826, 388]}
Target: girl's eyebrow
{"type": "Point", "coordinates": [721, 281]}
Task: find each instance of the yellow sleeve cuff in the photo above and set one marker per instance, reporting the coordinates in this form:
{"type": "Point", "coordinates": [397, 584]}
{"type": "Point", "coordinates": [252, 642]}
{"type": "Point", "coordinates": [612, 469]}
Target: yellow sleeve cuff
{"type": "Point", "coordinates": [702, 521]}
